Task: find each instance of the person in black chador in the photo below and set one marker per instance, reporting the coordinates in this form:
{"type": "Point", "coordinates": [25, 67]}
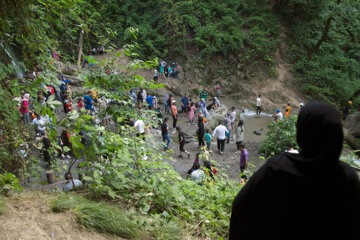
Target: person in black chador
{"type": "Point", "coordinates": [311, 195]}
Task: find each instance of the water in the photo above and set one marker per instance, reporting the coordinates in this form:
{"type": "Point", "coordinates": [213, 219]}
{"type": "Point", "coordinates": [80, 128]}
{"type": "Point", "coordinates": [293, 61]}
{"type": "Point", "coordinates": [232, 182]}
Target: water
{"type": "Point", "coordinates": [18, 70]}
{"type": "Point", "coordinates": [248, 113]}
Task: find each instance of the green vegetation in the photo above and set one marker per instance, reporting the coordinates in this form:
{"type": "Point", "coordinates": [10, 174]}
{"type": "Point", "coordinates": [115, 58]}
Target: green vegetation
{"type": "Point", "coordinates": [280, 133]}
{"type": "Point", "coordinates": [188, 30]}
{"type": "Point", "coordinates": [135, 173]}
{"type": "Point", "coordinates": [8, 182]}
{"type": "Point", "coordinates": [324, 47]}
{"type": "Point", "coordinates": [111, 219]}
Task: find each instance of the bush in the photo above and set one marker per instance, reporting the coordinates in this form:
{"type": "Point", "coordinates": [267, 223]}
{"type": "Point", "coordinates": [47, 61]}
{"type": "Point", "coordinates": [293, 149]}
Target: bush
{"type": "Point", "coordinates": [279, 135]}
{"type": "Point", "coordinates": [8, 182]}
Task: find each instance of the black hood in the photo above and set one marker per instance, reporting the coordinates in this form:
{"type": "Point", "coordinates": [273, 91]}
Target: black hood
{"type": "Point", "coordinates": [319, 134]}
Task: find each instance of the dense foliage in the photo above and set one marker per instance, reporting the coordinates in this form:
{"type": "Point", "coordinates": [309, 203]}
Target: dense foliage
{"type": "Point", "coordinates": [279, 135]}
{"type": "Point", "coordinates": [324, 47]}
{"type": "Point", "coordinates": [189, 30]}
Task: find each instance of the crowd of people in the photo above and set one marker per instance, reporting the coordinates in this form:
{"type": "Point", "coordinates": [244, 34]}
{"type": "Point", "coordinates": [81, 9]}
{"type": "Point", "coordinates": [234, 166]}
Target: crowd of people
{"type": "Point", "coordinates": [197, 110]}
{"type": "Point", "coordinates": [166, 70]}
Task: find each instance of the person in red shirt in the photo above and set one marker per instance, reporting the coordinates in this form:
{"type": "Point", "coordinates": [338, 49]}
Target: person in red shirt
{"type": "Point", "coordinates": [80, 104]}
{"type": "Point", "coordinates": [67, 105]}
{"type": "Point", "coordinates": [24, 108]}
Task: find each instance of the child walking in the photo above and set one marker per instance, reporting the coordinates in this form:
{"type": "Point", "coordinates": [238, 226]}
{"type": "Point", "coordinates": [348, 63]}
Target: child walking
{"type": "Point", "coordinates": [243, 161]}
{"type": "Point", "coordinates": [208, 138]}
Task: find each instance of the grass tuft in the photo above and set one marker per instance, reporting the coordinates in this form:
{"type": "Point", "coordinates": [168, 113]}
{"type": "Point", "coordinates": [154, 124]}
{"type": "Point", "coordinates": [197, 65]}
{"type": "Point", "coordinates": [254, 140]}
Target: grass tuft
{"type": "Point", "coordinates": [111, 219]}
{"type": "Point", "coordinates": [107, 219]}
{"type": "Point", "coordinates": [168, 230]}
{"type": "Point", "coordinates": [65, 202]}
{"type": "Point", "coordinates": [100, 216]}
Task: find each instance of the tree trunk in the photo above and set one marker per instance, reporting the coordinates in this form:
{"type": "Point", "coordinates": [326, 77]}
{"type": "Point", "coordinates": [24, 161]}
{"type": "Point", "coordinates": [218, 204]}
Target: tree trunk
{"type": "Point", "coordinates": [80, 48]}
{"type": "Point", "coordinates": [323, 37]}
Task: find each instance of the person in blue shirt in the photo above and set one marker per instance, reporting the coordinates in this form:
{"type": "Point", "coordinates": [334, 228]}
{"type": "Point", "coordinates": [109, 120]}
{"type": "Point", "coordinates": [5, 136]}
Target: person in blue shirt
{"type": "Point", "coordinates": [133, 96]}
{"type": "Point", "coordinates": [150, 101]}
{"type": "Point", "coordinates": [88, 101]}
{"type": "Point", "coordinates": [184, 103]}
{"type": "Point", "coordinates": [63, 85]}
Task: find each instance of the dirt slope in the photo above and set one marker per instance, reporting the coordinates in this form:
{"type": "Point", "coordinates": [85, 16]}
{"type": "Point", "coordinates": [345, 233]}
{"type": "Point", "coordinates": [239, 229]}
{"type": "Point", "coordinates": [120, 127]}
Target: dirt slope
{"type": "Point", "coordinates": [276, 92]}
{"type": "Point", "coordinates": [28, 216]}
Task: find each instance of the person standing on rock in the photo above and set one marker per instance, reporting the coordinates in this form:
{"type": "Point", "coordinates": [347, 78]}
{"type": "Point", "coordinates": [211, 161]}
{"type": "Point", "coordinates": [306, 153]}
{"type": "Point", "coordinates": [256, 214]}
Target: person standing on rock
{"type": "Point", "coordinates": [182, 143]}
{"type": "Point", "coordinates": [311, 195]}
{"type": "Point", "coordinates": [217, 89]}
{"type": "Point", "coordinates": [174, 112]}
{"type": "Point", "coordinates": [165, 134]}
{"type": "Point", "coordinates": [156, 75]}
{"type": "Point", "coordinates": [202, 105]}
{"type": "Point", "coordinates": [184, 103]}
{"type": "Point", "coordinates": [239, 135]}
{"type": "Point", "coordinates": [191, 113]}
{"type": "Point", "coordinates": [162, 66]}
{"type": "Point", "coordinates": [220, 132]}
{"type": "Point", "coordinates": [258, 105]}
{"type": "Point", "coordinates": [201, 132]}
{"type": "Point", "coordinates": [204, 94]}
{"type": "Point", "coordinates": [232, 117]}
{"type": "Point", "coordinates": [166, 105]}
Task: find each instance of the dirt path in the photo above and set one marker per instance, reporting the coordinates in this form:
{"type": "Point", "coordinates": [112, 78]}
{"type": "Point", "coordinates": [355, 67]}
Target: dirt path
{"type": "Point", "coordinates": [28, 216]}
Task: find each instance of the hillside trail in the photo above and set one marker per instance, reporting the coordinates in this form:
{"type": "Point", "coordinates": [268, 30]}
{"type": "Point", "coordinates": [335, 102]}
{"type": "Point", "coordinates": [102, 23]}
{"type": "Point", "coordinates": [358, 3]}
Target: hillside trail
{"type": "Point", "coordinates": [28, 216]}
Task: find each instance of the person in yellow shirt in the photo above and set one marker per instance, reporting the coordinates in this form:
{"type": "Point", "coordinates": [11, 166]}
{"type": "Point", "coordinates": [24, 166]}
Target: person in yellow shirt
{"type": "Point", "coordinates": [288, 108]}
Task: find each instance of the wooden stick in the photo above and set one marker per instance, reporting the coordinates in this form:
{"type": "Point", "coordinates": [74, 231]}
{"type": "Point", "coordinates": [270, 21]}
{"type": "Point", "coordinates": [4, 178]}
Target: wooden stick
{"type": "Point", "coordinates": [80, 48]}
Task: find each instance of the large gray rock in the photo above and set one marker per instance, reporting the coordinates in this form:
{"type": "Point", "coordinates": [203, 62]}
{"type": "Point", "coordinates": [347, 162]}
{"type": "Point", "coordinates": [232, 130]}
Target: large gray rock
{"type": "Point", "coordinates": [68, 69]}
{"type": "Point", "coordinates": [215, 116]}
{"type": "Point", "coordinates": [352, 130]}
{"type": "Point", "coordinates": [352, 124]}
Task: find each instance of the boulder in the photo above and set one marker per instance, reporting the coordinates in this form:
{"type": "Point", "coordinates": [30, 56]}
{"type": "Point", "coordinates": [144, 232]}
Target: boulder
{"type": "Point", "coordinates": [155, 132]}
{"type": "Point", "coordinates": [352, 130]}
{"type": "Point", "coordinates": [68, 69]}
{"type": "Point", "coordinates": [257, 132]}
{"type": "Point", "coordinates": [215, 116]}
{"type": "Point", "coordinates": [352, 124]}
